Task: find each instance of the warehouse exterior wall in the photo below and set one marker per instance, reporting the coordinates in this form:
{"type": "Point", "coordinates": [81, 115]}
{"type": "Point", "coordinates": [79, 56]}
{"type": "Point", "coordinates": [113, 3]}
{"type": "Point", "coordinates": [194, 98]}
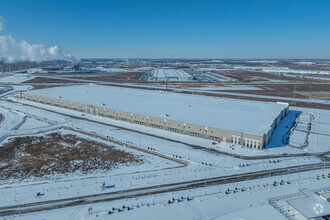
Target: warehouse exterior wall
{"type": "Point", "coordinates": [155, 122]}
{"type": "Point", "coordinates": [79, 107]}
{"type": "Point", "coordinates": [219, 135]}
{"type": "Point", "coordinates": [124, 116]}
{"type": "Point", "coordinates": [195, 130]}
{"type": "Point", "coordinates": [252, 141]}
{"type": "Point", "coordinates": [276, 122]}
{"type": "Point", "coordinates": [285, 111]}
{"type": "Point", "coordinates": [139, 119]}
{"type": "Point", "coordinates": [267, 137]}
{"type": "Point", "coordinates": [111, 113]}
{"type": "Point", "coordinates": [174, 126]}
{"type": "Point", "coordinates": [100, 111]}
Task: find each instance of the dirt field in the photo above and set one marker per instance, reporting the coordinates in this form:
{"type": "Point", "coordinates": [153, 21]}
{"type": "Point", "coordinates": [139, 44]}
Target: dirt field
{"type": "Point", "coordinates": [37, 156]}
{"type": "Point", "coordinates": [303, 90]}
{"type": "Point", "coordinates": [316, 95]}
{"type": "Point", "coordinates": [38, 86]}
{"type": "Point", "coordinates": [112, 77]}
{"type": "Point", "coordinates": [253, 76]}
{"type": "Point", "coordinates": [49, 80]}
{"type": "Point", "coordinates": [291, 103]}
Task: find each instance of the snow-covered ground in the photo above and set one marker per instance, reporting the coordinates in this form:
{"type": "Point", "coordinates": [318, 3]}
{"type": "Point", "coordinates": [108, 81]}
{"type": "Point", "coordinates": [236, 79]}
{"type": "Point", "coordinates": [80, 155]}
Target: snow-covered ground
{"type": "Point", "coordinates": [33, 123]}
{"type": "Point", "coordinates": [10, 120]}
{"type": "Point", "coordinates": [209, 202]}
{"type": "Point", "coordinates": [15, 79]}
{"type": "Point", "coordinates": [319, 135]}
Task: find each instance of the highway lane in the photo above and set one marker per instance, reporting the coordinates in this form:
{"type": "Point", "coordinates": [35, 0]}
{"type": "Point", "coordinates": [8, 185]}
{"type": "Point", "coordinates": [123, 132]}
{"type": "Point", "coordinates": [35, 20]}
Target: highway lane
{"type": "Point", "coordinates": [157, 189]}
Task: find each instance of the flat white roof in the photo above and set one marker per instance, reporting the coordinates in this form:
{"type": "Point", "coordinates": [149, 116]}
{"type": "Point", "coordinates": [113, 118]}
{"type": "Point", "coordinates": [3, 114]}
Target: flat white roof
{"type": "Point", "coordinates": [163, 73]}
{"type": "Point", "coordinates": [229, 114]}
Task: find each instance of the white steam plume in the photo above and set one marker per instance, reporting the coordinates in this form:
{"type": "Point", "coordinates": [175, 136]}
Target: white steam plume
{"type": "Point", "coordinates": [12, 50]}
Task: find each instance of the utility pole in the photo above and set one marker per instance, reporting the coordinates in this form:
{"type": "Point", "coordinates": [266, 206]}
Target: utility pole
{"type": "Point", "coordinates": [166, 83]}
{"type": "Point", "coordinates": [294, 94]}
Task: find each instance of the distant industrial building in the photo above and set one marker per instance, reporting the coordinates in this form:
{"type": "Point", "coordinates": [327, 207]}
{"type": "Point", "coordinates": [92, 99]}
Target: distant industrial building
{"type": "Point", "coordinates": [246, 123]}
{"type": "Point", "coordinates": [170, 75]}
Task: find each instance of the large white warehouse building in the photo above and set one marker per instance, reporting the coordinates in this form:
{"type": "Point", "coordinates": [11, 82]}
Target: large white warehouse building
{"type": "Point", "coordinates": [247, 123]}
{"type": "Point", "coordinates": [170, 75]}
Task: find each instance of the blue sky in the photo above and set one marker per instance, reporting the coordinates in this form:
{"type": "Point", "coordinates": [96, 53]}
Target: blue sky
{"type": "Point", "coordinates": [174, 29]}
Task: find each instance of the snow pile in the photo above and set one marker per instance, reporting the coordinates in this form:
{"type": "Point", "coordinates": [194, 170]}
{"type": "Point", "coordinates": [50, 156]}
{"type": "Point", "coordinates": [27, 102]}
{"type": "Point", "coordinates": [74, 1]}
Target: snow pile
{"type": "Point", "coordinates": [12, 50]}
